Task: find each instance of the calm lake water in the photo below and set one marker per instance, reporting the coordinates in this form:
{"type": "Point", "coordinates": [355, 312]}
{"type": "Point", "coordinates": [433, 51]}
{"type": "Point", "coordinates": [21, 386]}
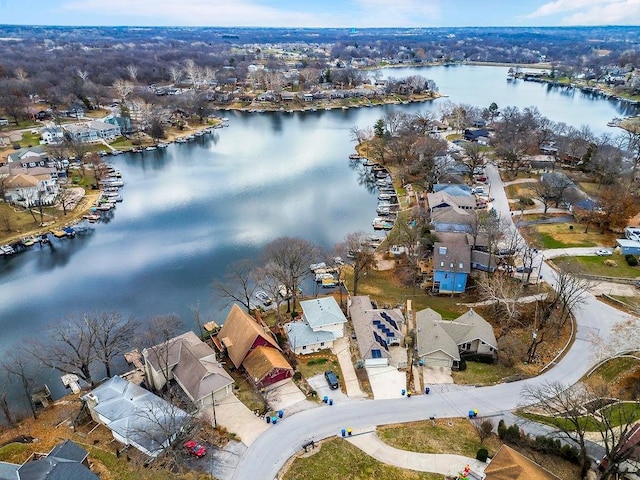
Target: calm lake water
{"type": "Point", "coordinates": [192, 209]}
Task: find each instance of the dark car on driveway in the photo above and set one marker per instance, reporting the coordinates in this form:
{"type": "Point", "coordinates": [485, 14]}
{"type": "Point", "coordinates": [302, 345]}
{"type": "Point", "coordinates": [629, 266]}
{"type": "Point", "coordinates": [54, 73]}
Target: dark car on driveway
{"type": "Point", "coordinates": [332, 379]}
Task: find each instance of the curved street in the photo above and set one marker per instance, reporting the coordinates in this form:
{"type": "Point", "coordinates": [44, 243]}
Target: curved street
{"type": "Point", "coordinates": [266, 456]}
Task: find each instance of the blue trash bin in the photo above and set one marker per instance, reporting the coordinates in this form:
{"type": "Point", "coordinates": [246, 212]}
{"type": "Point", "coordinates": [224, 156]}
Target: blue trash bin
{"type": "Point", "coordinates": [274, 420]}
{"type": "Point", "coordinates": [344, 432]}
{"type": "Point", "coordinates": [403, 391]}
{"type": "Point", "coordinates": [268, 419]}
{"type": "Point", "coordinates": [325, 399]}
{"type": "Point", "coordinates": [331, 401]}
{"type": "Point", "coordinates": [280, 413]}
{"type": "Point", "coordinates": [427, 390]}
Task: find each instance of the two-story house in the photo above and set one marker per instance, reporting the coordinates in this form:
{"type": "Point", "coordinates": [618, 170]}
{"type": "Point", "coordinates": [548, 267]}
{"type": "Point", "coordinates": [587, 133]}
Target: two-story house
{"type": "Point", "coordinates": [322, 322]}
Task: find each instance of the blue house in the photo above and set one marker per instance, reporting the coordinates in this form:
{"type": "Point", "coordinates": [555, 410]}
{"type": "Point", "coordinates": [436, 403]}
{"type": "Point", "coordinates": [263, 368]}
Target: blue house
{"type": "Point", "coordinates": [628, 247]}
{"type": "Point", "coordinates": [451, 267]}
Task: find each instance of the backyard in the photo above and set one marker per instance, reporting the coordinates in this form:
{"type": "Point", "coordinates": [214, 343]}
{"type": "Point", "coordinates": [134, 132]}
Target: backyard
{"type": "Point", "coordinates": [601, 266]}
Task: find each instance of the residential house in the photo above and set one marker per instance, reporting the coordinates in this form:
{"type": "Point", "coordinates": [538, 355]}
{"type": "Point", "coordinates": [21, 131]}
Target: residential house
{"type": "Point", "coordinates": [442, 342]}
{"type": "Point", "coordinates": [81, 133]}
{"type": "Point", "coordinates": [66, 461]}
{"type": "Point", "coordinates": [484, 261]}
{"type": "Point", "coordinates": [28, 157]}
{"type": "Point", "coordinates": [135, 416]}
{"type": "Point", "coordinates": [52, 135]}
{"type": "Point", "coordinates": [192, 364]}
{"type": "Point", "coordinates": [240, 337]}
{"type": "Point", "coordinates": [442, 199]}
{"type": "Point", "coordinates": [322, 322]}
{"type": "Point", "coordinates": [29, 191]}
{"type": "Point", "coordinates": [454, 190]}
{"type": "Point", "coordinates": [107, 131]}
{"type": "Point", "coordinates": [507, 463]}
{"type": "Point", "coordinates": [632, 233]}
{"type": "Point", "coordinates": [453, 219]}
{"type": "Point", "coordinates": [451, 267]}
{"type": "Point", "coordinates": [628, 247]}
{"type": "Point", "coordinates": [479, 135]}
{"type": "Point", "coordinates": [376, 330]}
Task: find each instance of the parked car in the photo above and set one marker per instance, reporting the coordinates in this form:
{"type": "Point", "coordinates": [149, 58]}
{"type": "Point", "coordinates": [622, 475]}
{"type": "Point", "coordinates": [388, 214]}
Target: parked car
{"type": "Point", "coordinates": [194, 448]}
{"type": "Point", "coordinates": [603, 252]}
{"type": "Point", "coordinates": [263, 297]}
{"type": "Point", "coordinates": [332, 379]}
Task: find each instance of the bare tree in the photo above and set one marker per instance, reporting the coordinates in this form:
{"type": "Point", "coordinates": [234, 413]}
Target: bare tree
{"type": "Point", "coordinates": [19, 365]}
{"type": "Point", "coordinates": [483, 427]}
{"type": "Point", "coordinates": [545, 193]}
{"type": "Point", "coordinates": [505, 293]}
{"type": "Point", "coordinates": [70, 349]}
{"type": "Point", "coordinates": [356, 247]}
{"type": "Point", "coordinates": [113, 335]}
{"type": "Point", "coordinates": [237, 284]}
{"type": "Point", "coordinates": [288, 260]}
{"type": "Point", "coordinates": [132, 70]}
{"type": "Point", "coordinates": [474, 156]}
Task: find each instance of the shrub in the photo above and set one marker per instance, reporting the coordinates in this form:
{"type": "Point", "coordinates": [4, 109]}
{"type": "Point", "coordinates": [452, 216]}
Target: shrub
{"type": "Point", "coordinates": [502, 429]}
{"type": "Point", "coordinates": [526, 201]}
{"type": "Point", "coordinates": [632, 261]}
{"type": "Point", "coordinates": [610, 263]}
{"type": "Point", "coordinates": [297, 376]}
{"type": "Point", "coordinates": [462, 365]}
{"type": "Point", "coordinates": [482, 454]}
{"type": "Point", "coordinates": [513, 434]}
{"type": "Point", "coordinates": [478, 357]}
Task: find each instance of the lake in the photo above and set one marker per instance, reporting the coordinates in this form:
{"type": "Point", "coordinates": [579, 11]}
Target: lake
{"type": "Point", "coordinates": [192, 209]}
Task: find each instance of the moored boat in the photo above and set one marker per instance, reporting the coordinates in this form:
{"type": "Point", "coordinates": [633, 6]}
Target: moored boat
{"type": "Point", "coordinates": [6, 250]}
{"type": "Point", "coordinates": [355, 156]}
{"type": "Point", "coordinates": [59, 233]}
{"type": "Point", "coordinates": [151, 148]}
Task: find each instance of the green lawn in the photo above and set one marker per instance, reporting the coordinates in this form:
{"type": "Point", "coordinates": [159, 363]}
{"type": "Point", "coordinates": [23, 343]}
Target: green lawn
{"type": "Point", "coordinates": [596, 266]}
{"type": "Point", "coordinates": [338, 459]}
{"type": "Point", "coordinates": [14, 452]}
{"type": "Point", "coordinates": [316, 363]}
{"type": "Point", "coordinates": [619, 413]}
{"type": "Point", "coordinates": [614, 368]}
{"type": "Point", "coordinates": [455, 436]}
{"type": "Point", "coordinates": [483, 374]}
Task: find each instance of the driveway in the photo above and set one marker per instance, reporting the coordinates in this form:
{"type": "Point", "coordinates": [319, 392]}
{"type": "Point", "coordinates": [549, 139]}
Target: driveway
{"type": "Point", "coordinates": [283, 395]}
{"type": "Point", "coordinates": [341, 348]}
{"type": "Point", "coordinates": [233, 415]}
{"type": "Point", "coordinates": [386, 382]}
{"type": "Point", "coordinates": [436, 375]}
{"type": "Point", "coordinates": [320, 385]}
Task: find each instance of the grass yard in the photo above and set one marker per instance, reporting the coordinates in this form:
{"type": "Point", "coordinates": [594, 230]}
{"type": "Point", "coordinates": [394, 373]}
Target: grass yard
{"type": "Point", "coordinates": [518, 190]}
{"type": "Point", "coordinates": [338, 459]}
{"type": "Point", "coordinates": [629, 412]}
{"type": "Point", "coordinates": [246, 393]}
{"type": "Point", "coordinates": [596, 266]}
{"type": "Point", "coordinates": [483, 374]}
{"type": "Point", "coordinates": [560, 235]}
{"type": "Point", "coordinates": [611, 370]}
{"type": "Point", "coordinates": [315, 363]}
{"type": "Point", "coordinates": [384, 288]}
{"type": "Point", "coordinates": [451, 435]}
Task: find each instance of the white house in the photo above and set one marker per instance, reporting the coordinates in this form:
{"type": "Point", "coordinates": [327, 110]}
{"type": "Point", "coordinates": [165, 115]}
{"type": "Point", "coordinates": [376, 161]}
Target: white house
{"type": "Point", "coordinates": [105, 130]}
{"type": "Point", "coordinates": [29, 191]}
{"type": "Point", "coordinates": [136, 416]}
{"type": "Point", "coordinates": [52, 135]}
{"type": "Point", "coordinates": [322, 322]}
{"type": "Point", "coordinates": [82, 133]}
{"type": "Point", "coordinates": [193, 365]}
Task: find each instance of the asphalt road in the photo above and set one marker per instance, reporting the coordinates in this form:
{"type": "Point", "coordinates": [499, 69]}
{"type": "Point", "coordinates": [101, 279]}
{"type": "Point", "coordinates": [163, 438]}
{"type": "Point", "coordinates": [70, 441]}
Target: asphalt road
{"type": "Point", "coordinates": [275, 446]}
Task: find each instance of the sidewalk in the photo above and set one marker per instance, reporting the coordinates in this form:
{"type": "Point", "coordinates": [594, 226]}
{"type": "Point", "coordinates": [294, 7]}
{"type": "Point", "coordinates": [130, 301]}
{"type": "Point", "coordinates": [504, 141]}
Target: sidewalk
{"type": "Point", "coordinates": [349, 378]}
{"type": "Point", "coordinates": [446, 464]}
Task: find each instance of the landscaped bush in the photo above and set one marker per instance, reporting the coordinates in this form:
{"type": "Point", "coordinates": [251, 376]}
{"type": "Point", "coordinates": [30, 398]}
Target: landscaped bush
{"type": "Point", "coordinates": [478, 357]}
{"type": "Point", "coordinates": [632, 261]}
{"type": "Point", "coordinates": [317, 361]}
{"type": "Point", "coordinates": [526, 201]}
{"type": "Point", "coordinates": [610, 263]}
{"type": "Point", "coordinates": [482, 455]}
{"type": "Point", "coordinates": [502, 429]}
{"type": "Point", "coordinates": [462, 365]}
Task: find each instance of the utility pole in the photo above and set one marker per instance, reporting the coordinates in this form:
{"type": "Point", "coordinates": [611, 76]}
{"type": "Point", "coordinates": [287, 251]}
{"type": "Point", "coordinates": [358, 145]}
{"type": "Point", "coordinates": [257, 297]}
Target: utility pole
{"type": "Point", "coordinates": [213, 403]}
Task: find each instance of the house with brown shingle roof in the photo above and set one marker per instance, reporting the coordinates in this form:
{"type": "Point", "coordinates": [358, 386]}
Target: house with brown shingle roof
{"type": "Point", "coordinates": [266, 366]}
{"type": "Point", "coordinates": [240, 336]}
{"type": "Point", "coordinates": [508, 464]}
{"type": "Point", "coordinates": [192, 364]}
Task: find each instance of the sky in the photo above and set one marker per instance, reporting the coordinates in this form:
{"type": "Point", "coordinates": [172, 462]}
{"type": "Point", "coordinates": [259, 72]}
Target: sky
{"type": "Point", "coordinates": [321, 13]}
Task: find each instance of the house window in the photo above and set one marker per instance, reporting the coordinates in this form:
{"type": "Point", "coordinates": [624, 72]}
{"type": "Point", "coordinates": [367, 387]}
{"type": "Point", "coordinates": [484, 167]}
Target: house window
{"type": "Point", "coordinates": [466, 346]}
{"type": "Point", "coordinates": [304, 347]}
{"type": "Point", "coordinates": [442, 250]}
{"type": "Point", "coordinates": [451, 265]}
{"type": "Point", "coordinates": [322, 344]}
{"type": "Point", "coordinates": [442, 264]}
{"type": "Point", "coordinates": [460, 266]}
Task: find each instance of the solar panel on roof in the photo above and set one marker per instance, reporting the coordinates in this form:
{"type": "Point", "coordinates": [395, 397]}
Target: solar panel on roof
{"type": "Point", "coordinates": [385, 315]}
{"type": "Point", "coordinates": [393, 323]}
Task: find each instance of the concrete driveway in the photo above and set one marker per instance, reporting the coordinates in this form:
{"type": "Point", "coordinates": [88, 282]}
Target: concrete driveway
{"type": "Point", "coordinates": [436, 375]}
{"type": "Point", "coordinates": [283, 395]}
{"type": "Point", "coordinates": [320, 385]}
{"type": "Point", "coordinates": [342, 350]}
{"type": "Point", "coordinates": [233, 415]}
{"type": "Point", "coordinates": [386, 382]}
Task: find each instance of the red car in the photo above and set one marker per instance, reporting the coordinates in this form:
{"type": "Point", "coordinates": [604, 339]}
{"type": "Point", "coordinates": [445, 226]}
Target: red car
{"type": "Point", "coordinates": [195, 449]}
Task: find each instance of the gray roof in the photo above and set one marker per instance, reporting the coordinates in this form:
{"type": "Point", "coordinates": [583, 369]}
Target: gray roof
{"type": "Point", "coordinates": [447, 257]}
{"type": "Point", "coordinates": [136, 414]}
{"type": "Point", "coordinates": [199, 373]}
{"type": "Point", "coordinates": [300, 334]}
{"type": "Point", "coordinates": [439, 198]}
{"type": "Point", "coordinates": [69, 450]}
{"type": "Point", "coordinates": [431, 337]}
{"type": "Point", "coordinates": [453, 215]}
{"type": "Point", "coordinates": [53, 468]}
{"type": "Point", "coordinates": [453, 189]}
{"type": "Point", "coordinates": [322, 311]}
{"type": "Point", "coordinates": [8, 471]}
{"type": "Point", "coordinates": [158, 355]}
{"type": "Point", "coordinates": [483, 258]}
{"type": "Point", "coordinates": [362, 316]}
{"type": "Point", "coordinates": [469, 327]}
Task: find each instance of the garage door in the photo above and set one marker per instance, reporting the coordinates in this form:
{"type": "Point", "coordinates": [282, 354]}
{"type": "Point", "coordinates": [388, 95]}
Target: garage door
{"type": "Point", "coordinates": [437, 362]}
